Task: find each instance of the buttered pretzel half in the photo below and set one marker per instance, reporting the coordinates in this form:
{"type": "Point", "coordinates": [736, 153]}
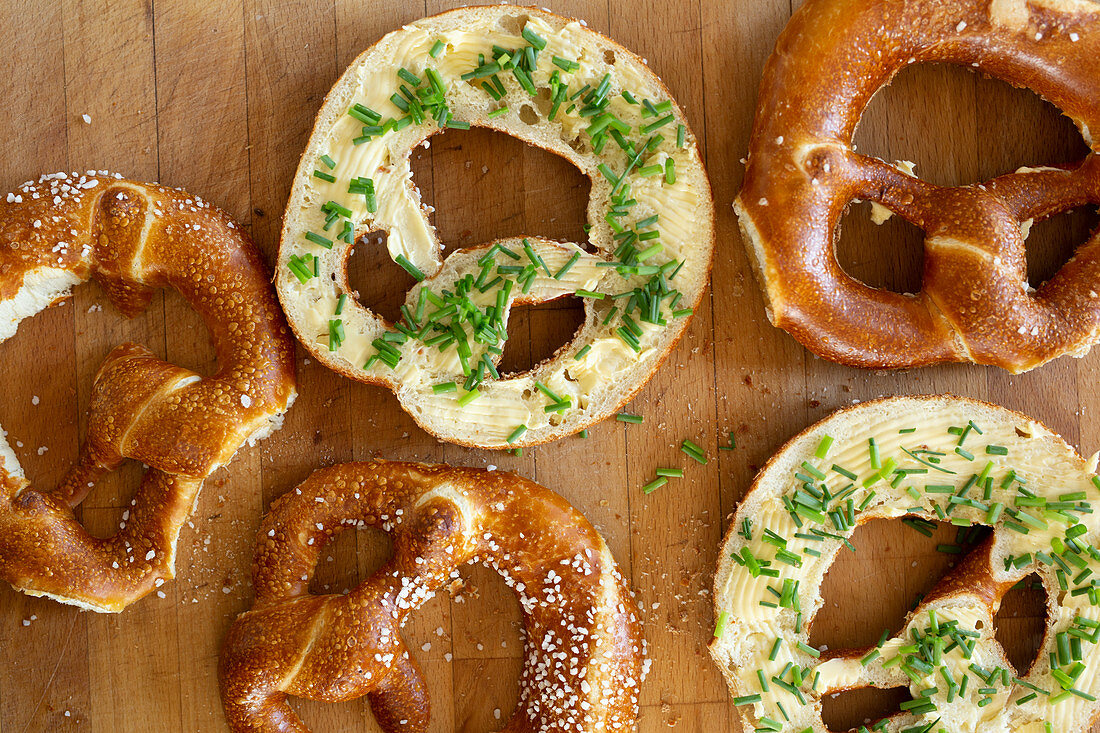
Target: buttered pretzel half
{"type": "Point", "coordinates": [583, 641]}
{"type": "Point", "coordinates": [976, 303]}
{"type": "Point", "coordinates": [133, 238]}
{"type": "Point", "coordinates": [936, 458]}
{"type": "Point", "coordinates": [547, 81]}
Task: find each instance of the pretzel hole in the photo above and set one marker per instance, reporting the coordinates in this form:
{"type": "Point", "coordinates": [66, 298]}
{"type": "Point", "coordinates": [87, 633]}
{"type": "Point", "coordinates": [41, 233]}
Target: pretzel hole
{"type": "Point", "coordinates": [1051, 242]}
{"type": "Point", "coordinates": [486, 618]}
{"type": "Point", "coordinates": [536, 332]}
{"type": "Point", "coordinates": [848, 710]}
{"type": "Point", "coordinates": [961, 128]}
{"type": "Point", "coordinates": [349, 558]}
{"type": "Point", "coordinates": [108, 503]}
{"type": "Point", "coordinates": [889, 256]}
{"type": "Point", "coordinates": [513, 23]}
{"type": "Point", "coordinates": [1021, 622]}
{"type": "Point", "coordinates": [893, 563]}
{"type": "Point", "coordinates": [486, 185]}
{"type": "Point", "coordinates": [484, 696]}
{"type": "Point", "coordinates": [380, 282]}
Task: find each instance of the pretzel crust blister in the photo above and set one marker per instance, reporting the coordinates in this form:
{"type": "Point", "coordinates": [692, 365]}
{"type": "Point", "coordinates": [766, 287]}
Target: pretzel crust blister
{"type": "Point", "coordinates": [583, 650]}
{"type": "Point", "coordinates": [937, 458]}
{"type": "Point", "coordinates": [976, 303]}
{"type": "Point", "coordinates": [134, 238]}
{"type": "Point", "coordinates": [550, 82]}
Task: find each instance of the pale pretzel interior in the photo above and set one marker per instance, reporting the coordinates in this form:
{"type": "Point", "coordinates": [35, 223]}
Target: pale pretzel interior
{"type": "Point", "coordinates": [666, 217]}
{"type": "Point", "coordinates": [928, 460]}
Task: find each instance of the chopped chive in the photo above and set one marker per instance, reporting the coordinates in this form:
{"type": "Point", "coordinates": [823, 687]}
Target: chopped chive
{"type": "Point", "coordinates": [567, 266]}
{"type": "Point", "coordinates": [565, 64]}
{"type": "Point", "coordinates": [845, 472]}
{"type": "Point", "coordinates": [318, 239]}
{"type": "Point", "coordinates": [654, 485]}
{"type": "Point", "coordinates": [720, 625]}
{"type": "Point", "coordinates": [469, 397]}
{"type": "Point", "coordinates": [437, 48]}
{"type": "Point", "coordinates": [517, 433]}
{"type": "Point", "coordinates": [533, 38]}
{"type": "Point", "coordinates": [672, 472]}
{"type": "Point", "coordinates": [409, 267]}
{"type": "Point", "coordinates": [872, 448]}
{"type": "Point", "coordinates": [410, 77]}
{"type": "Point", "coordinates": [324, 176]}
{"type": "Point", "coordinates": [629, 417]}
{"type": "Point", "coordinates": [693, 450]}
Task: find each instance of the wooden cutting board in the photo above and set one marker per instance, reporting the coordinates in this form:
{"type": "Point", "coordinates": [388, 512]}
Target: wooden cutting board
{"type": "Point", "coordinates": [219, 98]}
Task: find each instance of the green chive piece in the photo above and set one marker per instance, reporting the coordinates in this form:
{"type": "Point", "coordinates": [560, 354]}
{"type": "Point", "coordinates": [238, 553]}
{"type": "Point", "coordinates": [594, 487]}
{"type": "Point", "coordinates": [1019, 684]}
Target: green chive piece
{"type": "Point", "coordinates": [444, 387]}
{"type": "Point", "coordinates": [437, 48]}
{"type": "Point", "coordinates": [533, 38]}
{"type": "Point", "coordinates": [409, 267]}
{"type": "Point", "coordinates": [469, 397]}
{"type": "Point", "coordinates": [720, 625]}
{"type": "Point", "coordinates": [629, 417]}
{"type": "Point", "coordinates": [654, 485]}
{"type": "Point", "coordinates": [692, 450]}
{"type": "Point", "coordinates": [567, 266]}
{"type": "Point", "coordinates": [517, 433]}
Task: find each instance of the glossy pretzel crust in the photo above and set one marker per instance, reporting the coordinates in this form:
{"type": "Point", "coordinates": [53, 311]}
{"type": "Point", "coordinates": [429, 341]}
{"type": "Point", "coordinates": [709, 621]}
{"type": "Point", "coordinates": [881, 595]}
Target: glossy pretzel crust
{"type": "Point", "coordinates": [976, 304]}
{"type": "Point", "coordinates": [134, 238]}
{"type": "Point", "coordinates": [583, 650]}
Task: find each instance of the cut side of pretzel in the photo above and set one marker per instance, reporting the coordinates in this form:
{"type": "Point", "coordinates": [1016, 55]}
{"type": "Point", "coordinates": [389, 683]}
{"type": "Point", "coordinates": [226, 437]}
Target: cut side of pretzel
{"type": "Point", "coordinates": [938, 458]}
{"type": "Point", "coordinates": [550, 82]}
{"type": "Point", "coordinates": [133, 238]}
{"type": "Point", "coordinates": [583, 650]}
{"type": "Point", "coordinates": [976, 303]}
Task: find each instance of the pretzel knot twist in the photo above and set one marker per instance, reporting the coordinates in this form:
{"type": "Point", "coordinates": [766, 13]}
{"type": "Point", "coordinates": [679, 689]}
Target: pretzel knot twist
{"type": "Point", "coordinates": [133, 238]}
{"type": "Point", "coordinates": [584, 648]}
{"type": "Point", "coordinates": [929, 458]}
{"type": "Point", "coordinates": [976, 304]}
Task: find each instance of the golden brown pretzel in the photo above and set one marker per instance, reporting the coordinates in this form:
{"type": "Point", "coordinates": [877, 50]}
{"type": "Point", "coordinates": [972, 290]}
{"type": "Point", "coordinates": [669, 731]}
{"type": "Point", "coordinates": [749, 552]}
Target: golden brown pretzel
{"type": "Point", "coordinates": [583, 640]}
{"type": "Point", "coordinates": [132, 238]}
{"type": "Point", "coordinates": [802, 174]}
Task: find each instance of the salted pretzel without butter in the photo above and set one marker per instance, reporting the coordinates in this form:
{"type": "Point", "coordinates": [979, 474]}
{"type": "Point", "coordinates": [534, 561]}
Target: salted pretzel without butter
{"type": "Point", "coordinates": [976, 304]}
{"type": "Point", "coordinates": [937, 458]}
{"type": "Point", "coordinates": [548, 81]}
{"type": "Point", "coordinates": [583, 650]}
{"type": "Point", "coordinates": [133, 238]}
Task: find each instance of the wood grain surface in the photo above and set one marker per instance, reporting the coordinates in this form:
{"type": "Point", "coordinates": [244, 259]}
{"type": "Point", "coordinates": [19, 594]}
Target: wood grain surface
{"type": "Point", "coordinates": [219, 97]}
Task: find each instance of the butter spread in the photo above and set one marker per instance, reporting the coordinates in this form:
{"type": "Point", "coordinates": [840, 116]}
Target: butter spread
{"type": "Point", "coordinates": [939, 459]}
{"type": "Point", "coordinates": [650, 222]}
